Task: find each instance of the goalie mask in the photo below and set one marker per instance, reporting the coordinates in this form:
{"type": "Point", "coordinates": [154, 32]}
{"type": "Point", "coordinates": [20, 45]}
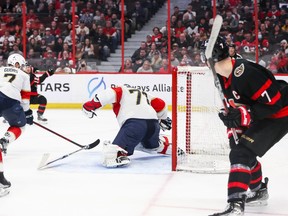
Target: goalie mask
{"type": "Point", "coordinates": [220, 50]}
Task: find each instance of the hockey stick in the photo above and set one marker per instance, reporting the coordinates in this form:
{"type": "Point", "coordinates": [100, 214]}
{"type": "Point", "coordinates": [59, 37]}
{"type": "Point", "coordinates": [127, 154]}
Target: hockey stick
{"type": "Point", "coordinates": [45, 157]}
{"type": "Point", "coordinates": [81, 146]}
{"type": "Point", "coordinates": [208, 53]}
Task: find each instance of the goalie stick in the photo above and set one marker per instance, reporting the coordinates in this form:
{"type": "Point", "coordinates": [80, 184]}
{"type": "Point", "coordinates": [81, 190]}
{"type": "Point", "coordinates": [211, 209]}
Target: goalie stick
{"type": "Point", "coordinates": [44, 163]}
{"type": "Point", "coordinates": [217, 24]}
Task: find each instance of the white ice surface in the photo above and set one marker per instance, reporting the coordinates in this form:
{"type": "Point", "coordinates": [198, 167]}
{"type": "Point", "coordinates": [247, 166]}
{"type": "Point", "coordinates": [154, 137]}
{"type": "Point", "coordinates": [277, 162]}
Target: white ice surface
{"type": "Point", "coordinates": [80, 186]}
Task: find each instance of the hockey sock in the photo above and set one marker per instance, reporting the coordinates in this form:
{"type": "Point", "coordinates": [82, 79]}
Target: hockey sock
{"type": "Point", "coordinates": [13, 133]}
{"type": "Point", "coordinates": [256, 177]}
{"type": "Point", "coordinates": [1, 162]}
{"type": "Point", "coordinates": [239, 178]}
{"type": "Point", "coordinates": [41, 109]}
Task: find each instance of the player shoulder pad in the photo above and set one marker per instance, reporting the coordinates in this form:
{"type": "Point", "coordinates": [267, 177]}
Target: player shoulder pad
{"type": "Point", "coordinates": [108, 96]}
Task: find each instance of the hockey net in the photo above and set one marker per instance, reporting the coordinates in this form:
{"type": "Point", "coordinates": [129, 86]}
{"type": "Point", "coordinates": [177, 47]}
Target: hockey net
{"type": "Point", "coordinates": [200, 142]}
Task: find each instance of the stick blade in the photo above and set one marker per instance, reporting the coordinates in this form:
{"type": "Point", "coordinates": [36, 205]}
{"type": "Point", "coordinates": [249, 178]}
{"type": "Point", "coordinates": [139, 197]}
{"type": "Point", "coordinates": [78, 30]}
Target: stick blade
{"type": "Point", "coordinates": [217, 24]}
{"type": "Point", "coordinates": [43, 161]}
{"type": "Point", "coordinates": [94, 144]}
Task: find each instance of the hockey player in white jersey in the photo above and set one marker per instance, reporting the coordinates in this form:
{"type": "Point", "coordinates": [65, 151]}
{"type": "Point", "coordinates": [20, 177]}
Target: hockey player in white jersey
{"type": "Point", "coordinates": [138, 115]}
{"type": "Point", "coordinates": [14, 106]}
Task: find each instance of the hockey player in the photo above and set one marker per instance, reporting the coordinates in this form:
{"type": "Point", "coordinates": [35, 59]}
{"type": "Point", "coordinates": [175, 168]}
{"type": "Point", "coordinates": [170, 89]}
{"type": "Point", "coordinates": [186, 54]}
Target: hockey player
{"type": "Point", "coordinates": [37, 98]}
{"type": "Point", "coordinates": [233, 51]}
{"type": "Point", "coordinates": [14, 106]}
{"type": "Point", "coordinates": [258, 111]}
{"type": "Point", "coordinates": [138, 115]}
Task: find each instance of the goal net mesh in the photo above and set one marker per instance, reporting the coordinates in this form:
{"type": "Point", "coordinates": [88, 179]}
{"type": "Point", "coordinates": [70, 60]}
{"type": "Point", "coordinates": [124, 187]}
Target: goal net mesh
{"type": "Point", "coordinates": [201, 139]}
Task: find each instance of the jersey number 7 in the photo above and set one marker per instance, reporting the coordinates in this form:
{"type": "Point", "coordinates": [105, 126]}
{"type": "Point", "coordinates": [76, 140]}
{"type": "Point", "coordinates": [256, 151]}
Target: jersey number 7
{"type": "Point", "coordinates": [10, 76]}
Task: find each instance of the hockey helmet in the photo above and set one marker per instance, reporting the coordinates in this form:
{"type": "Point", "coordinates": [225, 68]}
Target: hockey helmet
{"type": "Point", "coordinates": [16, 58]}
{"type": "Point", "coordinates": [220, 50]}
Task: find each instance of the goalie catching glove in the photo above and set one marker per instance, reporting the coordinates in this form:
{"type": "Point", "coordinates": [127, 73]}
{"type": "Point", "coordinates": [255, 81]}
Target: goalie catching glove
{"type": "Point", "coordinates": [165, 124]}
{"type": "Point", "coordinates": [236, 117]}
{"type": "Point", "coordinates": [90, 107]}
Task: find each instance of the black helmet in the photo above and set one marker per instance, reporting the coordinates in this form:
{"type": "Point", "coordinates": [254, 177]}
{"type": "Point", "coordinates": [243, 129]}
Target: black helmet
{"type": "Point", "coordinates": [220, 50]}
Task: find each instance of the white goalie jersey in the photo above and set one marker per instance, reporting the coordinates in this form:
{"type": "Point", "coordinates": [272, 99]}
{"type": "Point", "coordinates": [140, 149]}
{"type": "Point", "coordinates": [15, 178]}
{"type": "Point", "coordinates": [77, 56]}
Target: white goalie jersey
{"type": "Point", "coordinates": [132, 103]}
{"type": "Point", "coordinates": [15, 83]}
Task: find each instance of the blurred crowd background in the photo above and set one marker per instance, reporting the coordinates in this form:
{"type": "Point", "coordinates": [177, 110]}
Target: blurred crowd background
{"type": "Point", "coordinates": [80, 38]}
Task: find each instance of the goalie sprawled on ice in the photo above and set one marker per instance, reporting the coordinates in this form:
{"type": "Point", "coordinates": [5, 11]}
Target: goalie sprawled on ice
{"type": "Point", "coordinates": [140, 117]}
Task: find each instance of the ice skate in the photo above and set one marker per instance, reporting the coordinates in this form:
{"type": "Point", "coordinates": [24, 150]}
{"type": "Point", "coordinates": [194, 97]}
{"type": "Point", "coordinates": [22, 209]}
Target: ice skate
{"type": "Point", "coordinates": [114, 155]}
{"type": "Point", "coordinates": [41, 119]}
{"type": "Point", "coordinates": [3, 145]}
{"type": "Point", "coordinates": [122, 159]}
{"type": "Point", "coordinates": [259, 197]}
{"type": "Point", "coordinates": [4, 185]}
{"type": "Point", "coordinates": [233, 209]}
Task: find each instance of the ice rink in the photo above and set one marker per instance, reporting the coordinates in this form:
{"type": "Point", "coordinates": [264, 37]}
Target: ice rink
{"type": "Point", "coordinates": [79, 185]}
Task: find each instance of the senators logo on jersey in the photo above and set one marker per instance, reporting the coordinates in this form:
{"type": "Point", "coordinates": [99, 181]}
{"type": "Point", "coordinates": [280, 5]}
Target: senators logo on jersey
{"type": "Point", "coordinates": [239, 70]}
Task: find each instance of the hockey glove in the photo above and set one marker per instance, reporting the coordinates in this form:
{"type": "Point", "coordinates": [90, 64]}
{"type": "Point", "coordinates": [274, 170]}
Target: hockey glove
{"type": "Point", "coordinates": [29, 116]}
{"type": "Point", "coordinates": [165, 124]}
{"type": "Point", "coordinates": [50, 71]}
{"type": "Point", "coordinates": [236, 117]}
{"type": "Point", "coordinates": [90, 107]}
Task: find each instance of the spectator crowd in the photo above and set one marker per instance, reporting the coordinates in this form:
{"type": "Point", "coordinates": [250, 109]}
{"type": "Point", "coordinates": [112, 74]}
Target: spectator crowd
{"type": "Point", "coordinates": [49, 33]}
{"type": "Point", "coordinates": [191, 26]}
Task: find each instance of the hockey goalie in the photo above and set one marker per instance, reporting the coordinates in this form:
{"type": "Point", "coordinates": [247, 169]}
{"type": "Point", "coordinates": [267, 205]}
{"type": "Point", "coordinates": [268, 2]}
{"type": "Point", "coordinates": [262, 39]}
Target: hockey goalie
{"type": "Point", "coordinates": [140, 116]}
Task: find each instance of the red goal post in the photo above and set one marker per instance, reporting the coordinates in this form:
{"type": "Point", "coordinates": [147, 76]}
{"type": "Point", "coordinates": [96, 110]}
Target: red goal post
{"type": "Point", "coordinates": [199, 137]}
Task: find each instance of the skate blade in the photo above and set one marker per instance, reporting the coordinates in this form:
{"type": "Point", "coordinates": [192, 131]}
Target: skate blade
{"type": "Point", "coordinates": [4, 192]}
{"type": "Point", "coordinates": [257, 203]}
{"type": "Point", "coordinates": [42, 122]}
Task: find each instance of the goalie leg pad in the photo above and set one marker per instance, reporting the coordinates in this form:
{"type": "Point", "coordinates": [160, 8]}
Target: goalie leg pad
{"type": "Point", "coordinates": [114, 156]}
{"type": "Point", "coordinates": [163, 145]}
{"type": "Point", "coordinates": [140, 147]}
